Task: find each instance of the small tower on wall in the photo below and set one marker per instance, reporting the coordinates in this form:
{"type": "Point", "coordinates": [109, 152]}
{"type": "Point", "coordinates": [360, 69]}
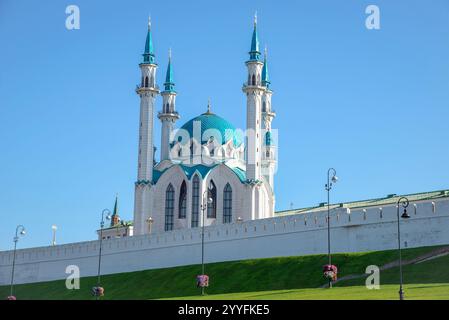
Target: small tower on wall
{"type": "Point", "coordinates": [115, 218]}
{"type": "Point", "coordinates": [147, 91]}
{"type": "Point", "coordinates": [168, 115]}
{"type": "Point", "coordinates": [268, 114]}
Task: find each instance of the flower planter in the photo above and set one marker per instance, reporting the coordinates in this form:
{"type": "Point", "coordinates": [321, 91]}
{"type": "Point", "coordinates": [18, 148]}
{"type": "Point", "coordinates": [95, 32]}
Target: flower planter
{"type": "Point", "coordinates": [202, 280]}
{"type": "Point", "coordinates": [98, 291]}
{"type": "Point", "coordinates": [330, 272]}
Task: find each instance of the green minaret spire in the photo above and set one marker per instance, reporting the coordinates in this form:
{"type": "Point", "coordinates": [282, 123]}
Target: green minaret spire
{"type": "Point", "coordinates": [115, 217]}
{"type": "Point", "coordinates": [169, 83]}
{"type": "Point", "coordinates": [265, 78]}
{"type": "Point", "coordinates": [254, 54]}
{"type": "Point", "coordinates": [148, 55]}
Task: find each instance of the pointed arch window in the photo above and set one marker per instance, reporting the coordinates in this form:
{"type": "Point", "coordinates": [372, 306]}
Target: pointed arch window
{"type": "Point", "coordinates": [195, 201]}
{"type": "Point", "coordinates": [254, 80]}
{"type": "Point", "coordinates": [146, 82]}
{"type": "Point", "coordinates": [212, 206]}
{"type": "Point", "coordinates": [268, 138]}
{"type": "Point", "coordinates": [183, 201]}
{"type": "Point", "coordinates": [191, 149]}
{"type": "Point", "coordinates": [169, 207]}
{"type": "Point", "coordinates": [227, 204]}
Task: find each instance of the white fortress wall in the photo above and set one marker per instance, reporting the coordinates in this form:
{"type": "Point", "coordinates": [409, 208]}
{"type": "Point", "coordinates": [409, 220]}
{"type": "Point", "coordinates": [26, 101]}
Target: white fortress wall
{"type": "Point", "coordinates": [297, 234]}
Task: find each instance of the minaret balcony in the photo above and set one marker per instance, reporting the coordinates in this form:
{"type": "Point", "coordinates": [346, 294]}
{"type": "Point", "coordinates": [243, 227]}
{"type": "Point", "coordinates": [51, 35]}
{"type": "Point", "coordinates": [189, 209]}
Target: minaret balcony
{"type": "Point", "coordinates": [168, 115]}
{"type": "Point", "coordinates": [270, 113]}
{"type": "Point", "coordinates": [140, 88]}
{"type": "Point", "coordinates": [253, 86]}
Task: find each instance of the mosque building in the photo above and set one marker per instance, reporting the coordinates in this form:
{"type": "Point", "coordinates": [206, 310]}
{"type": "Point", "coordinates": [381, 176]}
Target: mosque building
{"type": "Point", "coordinates": [209, 172]}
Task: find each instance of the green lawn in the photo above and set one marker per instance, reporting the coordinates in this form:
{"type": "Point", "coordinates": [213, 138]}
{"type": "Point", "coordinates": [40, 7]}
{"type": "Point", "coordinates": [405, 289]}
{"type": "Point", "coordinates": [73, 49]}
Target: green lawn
{"type": "Point", "coordinates": [282, 278]}
{"type": "Point", "coordinates": [437, 291]}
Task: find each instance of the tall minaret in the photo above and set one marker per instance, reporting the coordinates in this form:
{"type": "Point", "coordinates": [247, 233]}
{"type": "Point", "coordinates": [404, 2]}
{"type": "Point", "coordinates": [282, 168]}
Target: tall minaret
{"type": "Point", "coordinates": [147, 91]}
{"type": "Point", "coordinates": [168, 115]}
{"type": "Point", "coordinates": [254, 91]}
{"type": "Point", "coordinates": [268, 156]}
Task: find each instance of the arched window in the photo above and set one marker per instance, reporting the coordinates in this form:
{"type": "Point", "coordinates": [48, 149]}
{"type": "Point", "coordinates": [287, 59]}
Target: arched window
{"type": "Point", "coordinates": [268, 138]}
{"type": "Point", "coordinates": [227, 204]}
{"type": "Point", "coordinates": [254, 80]}
{"type": "Point", "coordinates": [146, 82]}
{"type": "Point", "coordinates": [191, 149]}
{"type": "Point", "coordinates": [212, 207]}
{"type": "Point", "coordinates": [169, 207]}
{"type": "Point", "coordinates": [167, 107]}
{"type": "Point", "coordinates": [264, 106]}
{"type": "Point", "coordinates": [183, 201]}
{"type": "Point", "coordinates": [195, 201]}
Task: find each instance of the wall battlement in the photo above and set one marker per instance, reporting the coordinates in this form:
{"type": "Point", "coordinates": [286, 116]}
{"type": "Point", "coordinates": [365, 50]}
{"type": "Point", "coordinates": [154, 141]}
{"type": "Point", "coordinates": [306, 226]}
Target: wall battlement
{"type": "Point", "coordinates": [363, 229]}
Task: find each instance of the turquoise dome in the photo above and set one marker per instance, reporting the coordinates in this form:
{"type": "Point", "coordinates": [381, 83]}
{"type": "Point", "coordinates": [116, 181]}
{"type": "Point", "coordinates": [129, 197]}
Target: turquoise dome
{"type": "Point", "coordinates": [210, 120]}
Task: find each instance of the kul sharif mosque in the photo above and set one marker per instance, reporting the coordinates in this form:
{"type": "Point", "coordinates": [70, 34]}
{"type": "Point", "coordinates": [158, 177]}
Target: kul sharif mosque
{"type": "Point", "coordinates": [209, 172]}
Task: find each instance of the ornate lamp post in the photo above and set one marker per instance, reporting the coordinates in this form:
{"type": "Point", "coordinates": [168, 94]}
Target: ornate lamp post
{"type": "Point", "coordinates": [150, 223]}
{"type": "Point", "coordinates": [403, 201]}
{"type": "Point", "coordinates": [205, 203]}
{"type": "Point", "coordinates": [98, 290]}
{"type": "Point", "coordinates": [54, 228]}
{"type": "Point", "coordinates": [20, 231]}
{"type": "Point", "coordinates": [331, 179]}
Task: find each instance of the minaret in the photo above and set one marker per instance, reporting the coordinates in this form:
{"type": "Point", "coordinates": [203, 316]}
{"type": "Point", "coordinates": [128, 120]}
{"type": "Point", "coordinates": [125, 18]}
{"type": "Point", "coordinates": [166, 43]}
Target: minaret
{"type": "Point", "coordinates": [254, 91]}
{"type": "Point", "coordinates": [168, 115]}
{"type": "Point", "coordinates": [268, 156]}
{"type": "Point", "coordinates": [147, 91]}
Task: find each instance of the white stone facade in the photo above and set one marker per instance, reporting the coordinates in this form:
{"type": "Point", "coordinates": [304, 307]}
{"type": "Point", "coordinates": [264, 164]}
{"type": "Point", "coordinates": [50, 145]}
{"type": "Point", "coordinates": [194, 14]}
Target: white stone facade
{"type": "Point", "coordinates": [204, 159]}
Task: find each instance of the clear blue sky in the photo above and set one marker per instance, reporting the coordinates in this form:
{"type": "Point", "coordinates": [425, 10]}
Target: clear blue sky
{"type": "Point", "coordinates": [374, 104]}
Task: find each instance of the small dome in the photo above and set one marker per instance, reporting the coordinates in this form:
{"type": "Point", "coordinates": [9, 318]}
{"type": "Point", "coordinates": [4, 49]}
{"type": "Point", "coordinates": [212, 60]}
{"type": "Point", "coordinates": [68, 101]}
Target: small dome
{"type": "Point", "coordinates": [210, 120]}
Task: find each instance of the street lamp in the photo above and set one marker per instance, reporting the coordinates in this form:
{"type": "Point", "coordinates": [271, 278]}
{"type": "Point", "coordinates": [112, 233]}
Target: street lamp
{"type": "Point", "coordinates": [106, 212]}
{"type": "Point", "coordinates": [54, 228]}
{"type": "Point", "coordinates": [20, 231]}
{"type": "Point", "coordinates": [331, 179]}
{"type": "Point", "coordinates": [150, 223]}
{"type": "Point", "coordinates": [205, 203]}
{"type": "Point", "coordinates": [403, 201]}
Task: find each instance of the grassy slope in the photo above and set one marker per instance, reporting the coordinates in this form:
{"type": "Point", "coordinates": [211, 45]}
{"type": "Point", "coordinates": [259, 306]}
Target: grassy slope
{"type": "Point", "coordinates": [426, 280]}
{"type": "Point", "coordinates": [248, 276]}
